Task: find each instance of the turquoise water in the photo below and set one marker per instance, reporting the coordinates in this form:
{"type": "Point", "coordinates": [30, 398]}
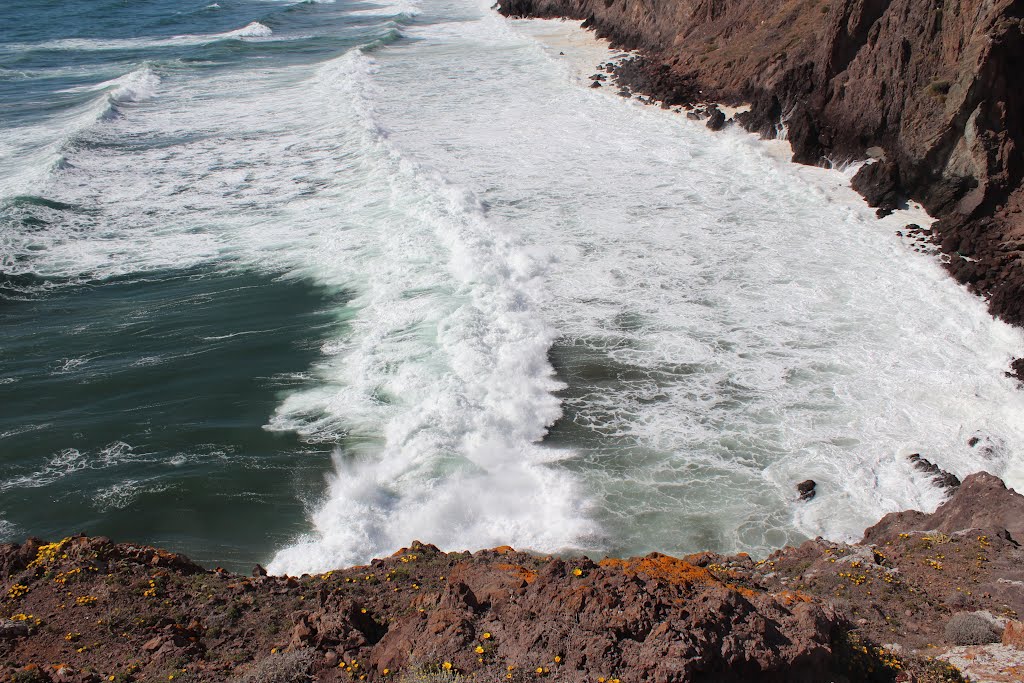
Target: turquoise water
{"type": "Point", "coordinates": [299, 282]}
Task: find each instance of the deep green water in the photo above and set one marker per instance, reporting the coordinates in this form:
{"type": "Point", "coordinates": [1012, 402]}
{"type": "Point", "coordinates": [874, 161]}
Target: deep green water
{"type": "Point", "coordinates": [135, 408]}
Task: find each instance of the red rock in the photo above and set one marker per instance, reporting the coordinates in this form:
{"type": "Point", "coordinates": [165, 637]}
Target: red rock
{"type": "Point", "coordinates": [1013, 634]}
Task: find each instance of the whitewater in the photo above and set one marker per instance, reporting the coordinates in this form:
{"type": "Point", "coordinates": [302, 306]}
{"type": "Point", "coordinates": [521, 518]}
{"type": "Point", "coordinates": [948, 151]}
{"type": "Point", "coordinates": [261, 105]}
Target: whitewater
{"type": "Point", "coordinates": [550, 317]}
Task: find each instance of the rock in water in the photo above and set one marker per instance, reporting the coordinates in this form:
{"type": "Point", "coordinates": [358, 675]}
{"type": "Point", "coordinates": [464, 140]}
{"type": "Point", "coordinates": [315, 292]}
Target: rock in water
{"type": "Point", "coordinates": [934, 97]}
{"type": "Point", "coordinates": [941, 477]}
{"type": "Point", "coordinates": [717, 120]}
{"type": "Point", "coordinates": [807, 489]}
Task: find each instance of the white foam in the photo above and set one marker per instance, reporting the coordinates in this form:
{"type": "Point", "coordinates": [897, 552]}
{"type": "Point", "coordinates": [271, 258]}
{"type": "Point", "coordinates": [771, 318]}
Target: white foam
{"type": "Point", "coordinates": [731, 323]}
{"type": "Point", "coordinates": [138, 86]}
{"type": "Point", "coordinates": [462, 368]}
{"type": "Point", "coordinates": [758, 325]}
{"type": "Point", "coordinates": [31, 155]}
{"type": "Point", "coordinates": [123, 494]}
{"type": "Point", "coordinates": [252, 30]}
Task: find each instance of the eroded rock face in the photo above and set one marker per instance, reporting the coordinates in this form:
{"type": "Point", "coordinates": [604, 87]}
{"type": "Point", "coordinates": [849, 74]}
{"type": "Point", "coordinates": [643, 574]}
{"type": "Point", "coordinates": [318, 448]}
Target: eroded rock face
{"type": "Point", "coordinates": [816, 612]}
{"type": "Point", "coordinates": [981, 502]}
{"type": "Point", "coordinates": [935, 88]}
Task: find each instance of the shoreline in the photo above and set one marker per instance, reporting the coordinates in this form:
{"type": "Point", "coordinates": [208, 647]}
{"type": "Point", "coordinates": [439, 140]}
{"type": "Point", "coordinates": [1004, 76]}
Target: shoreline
{"type": "Point", "coordinates": [958, 167]}
{"type": "Point", "coordinates": [917, 593]}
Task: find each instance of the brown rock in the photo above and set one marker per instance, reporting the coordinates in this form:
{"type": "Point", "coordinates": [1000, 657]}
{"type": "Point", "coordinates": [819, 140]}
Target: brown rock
{"type": "Point", "coordinates": [1013, 634]}
{"type": "Point", "coordinates": [981, 502]}
{"type": "Point", "coordinates": [153, 644]}
{"type": "Point", "coordinates": [934, 96]}
{"type": "Point", "coordinates": [12, 629]}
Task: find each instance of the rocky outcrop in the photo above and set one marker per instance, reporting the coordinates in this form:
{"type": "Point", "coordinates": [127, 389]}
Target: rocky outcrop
{"type": "Point", "coordinates": [86, 609]}
{"type": "Point", "coordinates": [928, 89]}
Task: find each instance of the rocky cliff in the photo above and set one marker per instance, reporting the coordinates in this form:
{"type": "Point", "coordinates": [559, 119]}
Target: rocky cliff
{"type": "Point", "coordinates": [930, 89]}
{"type": "Point", "coordinates": [919, 586]}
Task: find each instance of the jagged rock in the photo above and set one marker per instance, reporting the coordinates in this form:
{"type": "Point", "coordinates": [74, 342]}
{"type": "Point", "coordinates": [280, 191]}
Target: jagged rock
{"type": "Point", "coordinates": [12, 629]}
{"type": "Point", "coordinates": [941, 477]}
{"type": "Point", "coordinates": [807, 489]}
{"type": "Point", "coordinates": [716, 121]}
{"type": "Point", "coordinates": [1013, 634]}
{"type": "Point", "coordinates": [661, 618]}
{"type": "Point", "coordinates": [1017, 369]}
{"type": "Point", "coordinates": [981, 502]}
{"type": "Point", "coordinates": [937, 93]}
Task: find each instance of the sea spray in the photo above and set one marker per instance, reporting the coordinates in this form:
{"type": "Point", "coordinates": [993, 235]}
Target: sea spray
{"type": "Point", "coordinates": [469, 392]}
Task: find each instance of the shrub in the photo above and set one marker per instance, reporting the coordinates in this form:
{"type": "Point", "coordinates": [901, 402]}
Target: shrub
{"type": "Point", "coordinates": [286, 667]}
{"type": "Point", "coordinates": [431, 674]}
{"type": "Point", "coordinates": [29, 674]}
{"type": "Point", "coordinates": [970, 628]}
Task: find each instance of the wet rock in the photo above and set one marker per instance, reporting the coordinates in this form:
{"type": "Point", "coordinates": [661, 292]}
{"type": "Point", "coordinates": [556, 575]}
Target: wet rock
{"type": "Point", "coordinates": [879, 183]}
{"type": "Point", "coordinates": [258, 570]}
{"type": "Point", "coordinates": [717, 119]}
{"type": "Point", "coordinates": [941, 477]}
{"type": "Point", "coordinates": [807, 489]}
{"type": "Point", "coordinates": [933, 98]}
{"type": "Point", "coordinates": [1017, 369]}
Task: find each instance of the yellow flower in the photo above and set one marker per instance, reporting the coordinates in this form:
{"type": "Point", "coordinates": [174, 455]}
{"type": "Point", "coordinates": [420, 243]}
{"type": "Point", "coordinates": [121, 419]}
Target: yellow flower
{"type": "Point", "coordinates": [363, 610]}
{"type": "Point", "coordinates": [479, 650]}
{"type": "Point", "coordinates": [557, 659]}
{"type": "Point", "coordinates": [540, 670]}
{"type": "Point", "coordinates": [577, 572]}
{"type": "Point", "coordinates": [110, 678]}
{"type": "Point", "coordinates": [386, 671]}
{"type": "Point", "coordinates": [486, 636]}
{"type": "Point", "coordinates": [447, 666]}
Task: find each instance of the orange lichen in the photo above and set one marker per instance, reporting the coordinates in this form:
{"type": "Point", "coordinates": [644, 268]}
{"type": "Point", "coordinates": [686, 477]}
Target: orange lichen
{"type": "Point", "coordinates": [791, 597]}
{"type": "Point", "coordinates": [664, 567]}
{"type": "Point", "coordinates": [745, 592]}
{"type": "Point", "coordinates": [527, 575]}
{"type": "Point", "coordinates": [504, 549]}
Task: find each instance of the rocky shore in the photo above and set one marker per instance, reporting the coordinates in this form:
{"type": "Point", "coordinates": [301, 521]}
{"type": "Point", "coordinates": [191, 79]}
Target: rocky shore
{"type": "Point", "coordinates": [928, 90]}
{"type": "Point", "coordinates": [919, 591]}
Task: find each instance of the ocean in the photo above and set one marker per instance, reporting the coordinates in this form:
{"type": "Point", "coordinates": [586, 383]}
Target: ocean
{"type": "Point", "coordinates": [300, 282]}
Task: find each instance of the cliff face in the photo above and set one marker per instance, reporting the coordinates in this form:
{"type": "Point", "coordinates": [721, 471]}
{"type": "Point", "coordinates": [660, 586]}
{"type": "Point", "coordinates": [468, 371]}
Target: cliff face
{"type": "Point", "coordinates": [88, 610]}
{"type": "Point", "coordinates": [931, 88]}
